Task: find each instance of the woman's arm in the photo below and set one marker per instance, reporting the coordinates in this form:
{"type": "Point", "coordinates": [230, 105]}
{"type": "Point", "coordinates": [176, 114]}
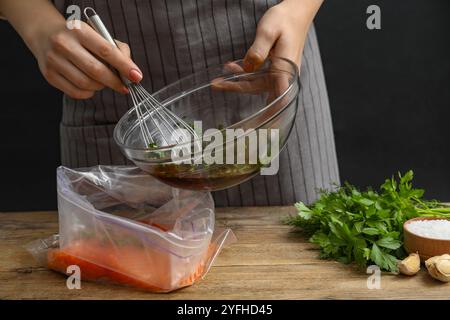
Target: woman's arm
{"type": "Point", "coordinates": [282, 31]}
{"type": "Point", "coordinates": [68, 58]}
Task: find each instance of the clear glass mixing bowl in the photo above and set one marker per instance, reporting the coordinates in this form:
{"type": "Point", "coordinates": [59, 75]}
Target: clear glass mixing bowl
{"type": "Point", "coordinates": [222, 97]}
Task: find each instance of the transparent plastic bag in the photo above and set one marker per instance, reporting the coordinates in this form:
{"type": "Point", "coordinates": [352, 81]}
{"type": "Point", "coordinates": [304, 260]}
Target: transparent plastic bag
{"type": "Point", "coordinates": [120, 225]}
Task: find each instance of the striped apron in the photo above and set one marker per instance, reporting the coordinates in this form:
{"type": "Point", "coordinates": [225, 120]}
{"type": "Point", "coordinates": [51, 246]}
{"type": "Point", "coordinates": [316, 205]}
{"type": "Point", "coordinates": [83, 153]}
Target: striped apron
{"type": "Point", "coordinates": [170, 39]}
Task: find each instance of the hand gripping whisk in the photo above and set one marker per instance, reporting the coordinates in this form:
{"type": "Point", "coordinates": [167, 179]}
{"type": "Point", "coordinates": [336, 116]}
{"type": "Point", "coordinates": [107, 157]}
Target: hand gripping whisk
{"type": "Point", "coordinates": [164, 123]}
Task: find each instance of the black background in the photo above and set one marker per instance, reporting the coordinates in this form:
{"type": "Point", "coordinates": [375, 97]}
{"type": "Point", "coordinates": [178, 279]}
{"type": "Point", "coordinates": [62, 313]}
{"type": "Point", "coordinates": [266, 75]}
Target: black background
{"type": "Point", "coordinates": [389, 91]}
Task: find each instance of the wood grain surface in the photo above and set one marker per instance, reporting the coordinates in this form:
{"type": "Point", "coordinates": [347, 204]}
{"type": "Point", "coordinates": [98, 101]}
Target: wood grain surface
{"type": "Point", "coordinates": [269, 261]}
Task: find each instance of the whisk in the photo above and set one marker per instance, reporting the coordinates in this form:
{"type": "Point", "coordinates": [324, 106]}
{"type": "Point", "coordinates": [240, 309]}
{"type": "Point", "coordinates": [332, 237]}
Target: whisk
{"type": "Point", "coordinates": [164, 121]}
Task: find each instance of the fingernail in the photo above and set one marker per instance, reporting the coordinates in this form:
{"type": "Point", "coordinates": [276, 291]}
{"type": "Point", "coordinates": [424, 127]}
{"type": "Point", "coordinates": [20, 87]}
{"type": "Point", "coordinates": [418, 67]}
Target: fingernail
{"type": "Point", "coordinates": [135, 75]}
{"type": "Point", "coordinates": [125, 90]}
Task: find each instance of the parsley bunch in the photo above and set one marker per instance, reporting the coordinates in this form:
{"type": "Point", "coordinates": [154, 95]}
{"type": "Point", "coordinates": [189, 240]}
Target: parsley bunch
{"type": "Point", "coordinates": [365, 227]}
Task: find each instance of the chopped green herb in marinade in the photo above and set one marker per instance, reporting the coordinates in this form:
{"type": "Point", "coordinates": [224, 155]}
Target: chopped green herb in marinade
{"type": "Point", "coordinates": [365, 227]}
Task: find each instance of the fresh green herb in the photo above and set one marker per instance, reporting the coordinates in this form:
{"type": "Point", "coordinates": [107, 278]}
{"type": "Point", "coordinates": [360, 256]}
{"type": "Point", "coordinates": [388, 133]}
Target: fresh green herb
{"type": "Point", "coordinates": [365, 227]}
{"type": "Point", "coordinates": [154, 154]}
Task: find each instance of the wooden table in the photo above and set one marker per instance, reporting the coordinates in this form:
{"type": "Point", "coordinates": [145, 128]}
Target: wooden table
{"type": "Point", "coordinates": [269, 261]}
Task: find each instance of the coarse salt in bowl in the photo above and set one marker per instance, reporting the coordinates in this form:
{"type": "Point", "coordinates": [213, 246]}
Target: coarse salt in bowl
{"type": "Point", "coordinates": [435, 229]}
{"type": "Point", "coordinates": [428, 236]}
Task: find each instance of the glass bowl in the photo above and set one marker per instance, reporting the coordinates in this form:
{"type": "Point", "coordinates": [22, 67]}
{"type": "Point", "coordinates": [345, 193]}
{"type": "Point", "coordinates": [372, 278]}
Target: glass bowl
{"type": "Point", "coordinates": [224, 98]}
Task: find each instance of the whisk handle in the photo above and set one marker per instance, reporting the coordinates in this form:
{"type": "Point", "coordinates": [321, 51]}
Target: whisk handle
{"type": "Point", "coordinates": [95, 22]}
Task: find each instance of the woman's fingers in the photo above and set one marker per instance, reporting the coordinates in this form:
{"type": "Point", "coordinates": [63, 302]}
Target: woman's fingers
{"type": "Point", "coordinates": [71, 49]}
{"type": "Point", "coordinates": [233, 67]}
{"type": "Point", "coordinates": [109, 53]}
{"type": "Point", "coordinates": [253, 84]}
{"type": "Point", "coordinates": [94, 68]}
{"type": "Point", "coordinates": [246, 84]}
{"type": "Point", "coordinates": [79, 61]}
{"type": "Point", "coordinates": [125, 48]}
{"type": "Point", "coordinates": [220, 83]}
{"type": "Point", "coordinates": [267, 34]}
{"type": "Point", "coordinates": [237, 86]}
{"type": "Point", "coordinates": [93, 55]}
{"type": "Point", "coordinates": [73, 74]}
{"type": "Point", "coordinates": [282, 32]}
{"type": "Point", "coordinates": [61, 83]}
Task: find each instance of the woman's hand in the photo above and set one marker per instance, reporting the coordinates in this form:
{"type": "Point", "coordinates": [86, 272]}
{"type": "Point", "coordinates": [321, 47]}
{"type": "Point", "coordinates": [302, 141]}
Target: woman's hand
{"type": "Point", "coordinates": [73, 61]}
{"type": "Point", "coordinates": [282, 32]}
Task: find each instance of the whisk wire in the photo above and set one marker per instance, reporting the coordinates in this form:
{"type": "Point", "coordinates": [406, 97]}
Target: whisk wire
{"type": "Point", "coordinates": [161, 117]}
{"type": "Point", "coordinates": [142, 124]}
{"type": "Point", "coordinates": [145, 105]}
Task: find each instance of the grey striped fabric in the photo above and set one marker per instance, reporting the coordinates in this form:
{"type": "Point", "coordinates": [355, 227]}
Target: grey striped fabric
{"type": "Point", "coordinates": [170, 39]}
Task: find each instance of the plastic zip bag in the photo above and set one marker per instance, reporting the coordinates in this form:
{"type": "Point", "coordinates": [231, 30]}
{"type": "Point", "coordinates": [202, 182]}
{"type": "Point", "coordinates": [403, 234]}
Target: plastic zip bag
{"type": "Point", "coordinates": [120, 225]}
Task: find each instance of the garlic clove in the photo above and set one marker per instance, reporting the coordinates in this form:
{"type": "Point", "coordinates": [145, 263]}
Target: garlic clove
{"type": "Point", "coordinates": [432, 271]}
{"type": "Point", "coordinates": [410, 265]}
{"type": "Point", "coordinates": [443, 266]}
{"type": "Point", "coordinates": [439, 267]}
{"type": "Point", "coordinates": [432, 260]}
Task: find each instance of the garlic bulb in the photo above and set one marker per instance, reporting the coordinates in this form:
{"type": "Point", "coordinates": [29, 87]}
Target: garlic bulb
{"type": "Point", "coordinates": [439, 267]}
{"type": "Point", "coordinates": [410, 265]}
